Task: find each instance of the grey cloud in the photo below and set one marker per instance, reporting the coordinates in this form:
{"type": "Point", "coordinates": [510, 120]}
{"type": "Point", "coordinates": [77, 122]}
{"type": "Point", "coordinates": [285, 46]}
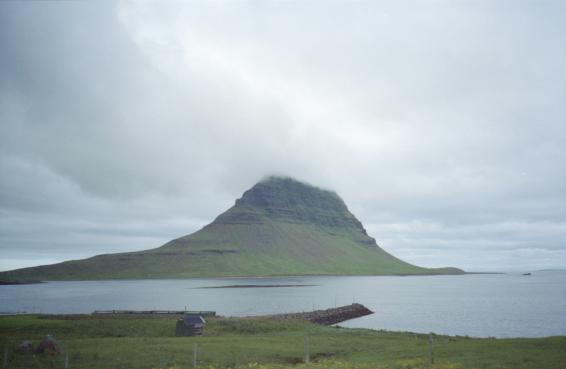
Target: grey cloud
{"type": "Point", "coordinates": [441, 125]}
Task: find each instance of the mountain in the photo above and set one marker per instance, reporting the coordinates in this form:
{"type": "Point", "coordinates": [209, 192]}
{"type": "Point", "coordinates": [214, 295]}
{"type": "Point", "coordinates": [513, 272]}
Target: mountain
{"type": "Point", "coordinates": [278, 227]}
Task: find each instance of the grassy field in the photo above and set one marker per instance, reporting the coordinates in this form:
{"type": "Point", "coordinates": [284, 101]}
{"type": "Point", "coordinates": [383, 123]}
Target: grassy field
{"type": "Point", "coordinates": [259, 343]}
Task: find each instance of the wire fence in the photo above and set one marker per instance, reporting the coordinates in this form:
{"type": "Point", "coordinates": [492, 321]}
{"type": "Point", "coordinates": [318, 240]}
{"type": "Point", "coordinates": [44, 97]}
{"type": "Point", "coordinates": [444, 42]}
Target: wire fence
{"type": "Point", "coordinates": [15, 359]}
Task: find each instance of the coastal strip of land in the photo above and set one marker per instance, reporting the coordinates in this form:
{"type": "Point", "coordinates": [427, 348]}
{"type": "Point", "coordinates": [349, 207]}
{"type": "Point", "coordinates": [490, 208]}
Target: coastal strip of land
{"type": "Point", "coordinates": [7, 282]}
{"type": "Point", "coordinates": [147, 342]}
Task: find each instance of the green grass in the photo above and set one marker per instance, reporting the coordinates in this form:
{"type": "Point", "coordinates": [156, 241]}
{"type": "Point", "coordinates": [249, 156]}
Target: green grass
{"type": "Point", "coordinates": [261, 343]}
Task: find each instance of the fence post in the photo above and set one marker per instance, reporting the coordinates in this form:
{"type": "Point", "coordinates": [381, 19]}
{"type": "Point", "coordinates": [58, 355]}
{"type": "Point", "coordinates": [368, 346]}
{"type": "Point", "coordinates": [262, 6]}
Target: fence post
{"type": "Point", "coordinates": [194, 355]}
{"type": "Point", "coordinates": [66, 361]}
{"type": "Point", "coordinates": [307, 353]}
{"type": "Point", "coordinates": [430, 348]}
{"type": "Point", "coordinates": [5, 363]}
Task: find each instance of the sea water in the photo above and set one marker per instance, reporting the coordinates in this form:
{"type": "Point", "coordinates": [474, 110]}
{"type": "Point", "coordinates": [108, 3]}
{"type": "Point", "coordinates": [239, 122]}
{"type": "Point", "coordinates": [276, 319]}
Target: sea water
{"type": "Point", "coordinates": [477, 305]}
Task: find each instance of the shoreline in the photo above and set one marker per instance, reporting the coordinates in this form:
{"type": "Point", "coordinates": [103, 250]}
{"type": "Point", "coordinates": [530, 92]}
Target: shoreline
{"type": "Point", "coordinates": [233, 277]}
{"type": "Point", "coordinates": [120, 317]}
{"type": "Point", "coordinates": [13, 283]}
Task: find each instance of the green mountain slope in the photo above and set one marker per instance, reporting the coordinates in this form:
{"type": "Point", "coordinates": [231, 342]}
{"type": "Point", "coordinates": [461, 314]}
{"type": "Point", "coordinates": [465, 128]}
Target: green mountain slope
{"type": "Point", "coordinates": [279, 227]}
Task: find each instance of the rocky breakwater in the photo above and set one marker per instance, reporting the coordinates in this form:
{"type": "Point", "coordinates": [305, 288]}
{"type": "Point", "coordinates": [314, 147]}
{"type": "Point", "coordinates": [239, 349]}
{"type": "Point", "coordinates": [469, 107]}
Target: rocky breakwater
{"type": "Point", "coordinates": [329, 316]}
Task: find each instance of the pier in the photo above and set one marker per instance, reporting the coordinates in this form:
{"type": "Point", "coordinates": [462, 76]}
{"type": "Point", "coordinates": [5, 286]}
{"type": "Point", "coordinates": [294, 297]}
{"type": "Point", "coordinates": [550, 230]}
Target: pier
{"type": "Point", "coordinates": [329, 316]}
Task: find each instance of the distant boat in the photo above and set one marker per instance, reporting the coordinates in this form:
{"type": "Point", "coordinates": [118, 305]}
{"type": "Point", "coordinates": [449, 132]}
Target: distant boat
{"type": "Point", "coordinates": [526, 273]}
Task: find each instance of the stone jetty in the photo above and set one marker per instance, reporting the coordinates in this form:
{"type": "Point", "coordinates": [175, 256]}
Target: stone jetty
{"type": "Point", "coordinates": [329, 316]}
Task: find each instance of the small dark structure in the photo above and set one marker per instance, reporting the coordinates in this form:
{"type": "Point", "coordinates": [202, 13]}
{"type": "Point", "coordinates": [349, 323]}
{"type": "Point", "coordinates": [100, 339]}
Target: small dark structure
{"type": "Point", "coordinates": [190, 325]}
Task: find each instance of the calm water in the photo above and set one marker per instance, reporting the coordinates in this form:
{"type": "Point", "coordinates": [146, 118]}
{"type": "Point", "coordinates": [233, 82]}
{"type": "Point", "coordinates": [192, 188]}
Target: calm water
{"type": "Point", "coordinates": [474, 305]}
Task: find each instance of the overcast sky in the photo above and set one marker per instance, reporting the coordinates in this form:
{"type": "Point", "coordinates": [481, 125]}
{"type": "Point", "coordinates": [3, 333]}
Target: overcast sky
{"type": "Point", "coordinates": [442, 124]}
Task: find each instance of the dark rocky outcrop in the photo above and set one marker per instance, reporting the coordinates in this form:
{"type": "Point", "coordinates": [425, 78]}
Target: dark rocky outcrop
{"type": "Point", "coordinates": [288, 200]}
